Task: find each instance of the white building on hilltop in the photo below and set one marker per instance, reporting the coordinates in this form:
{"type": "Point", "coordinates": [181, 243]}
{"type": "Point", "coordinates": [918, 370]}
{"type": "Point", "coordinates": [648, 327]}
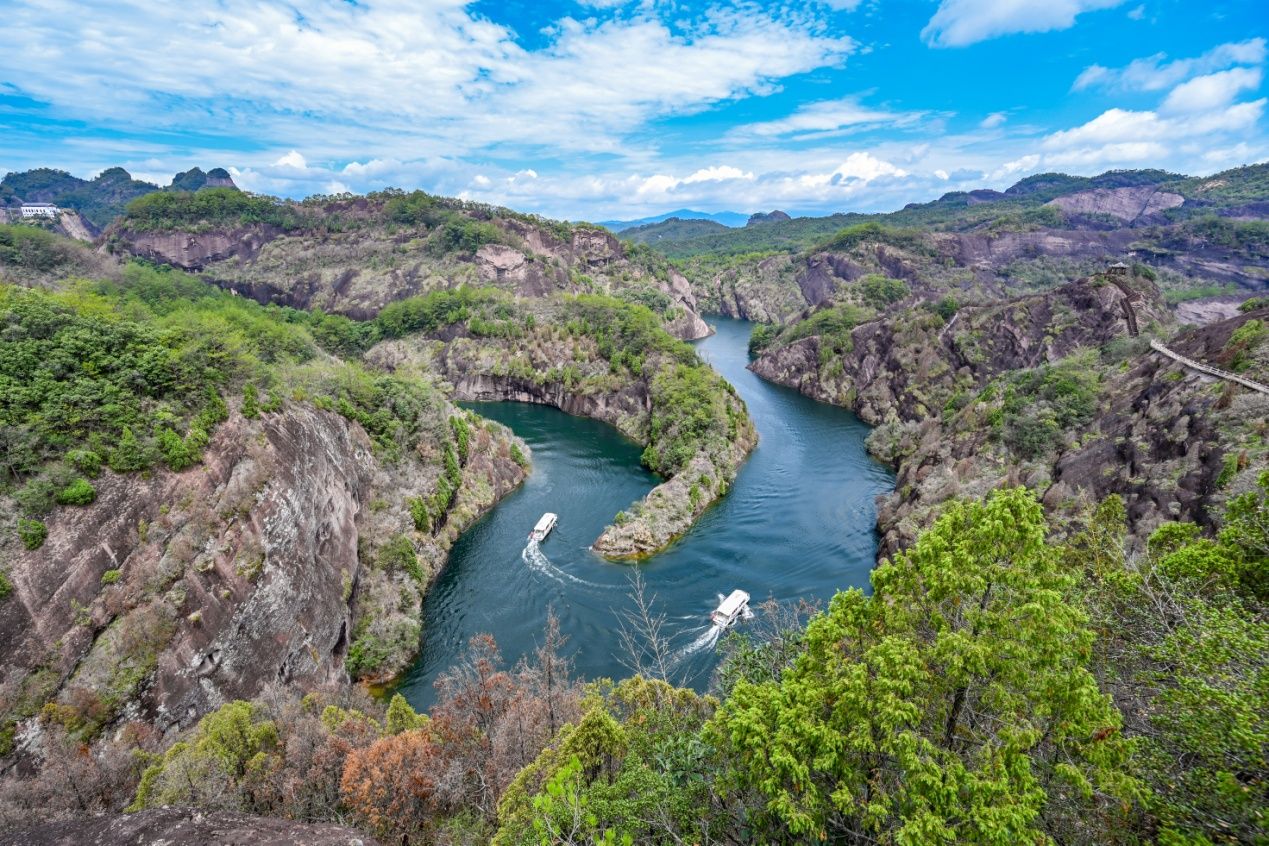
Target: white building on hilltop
{"type": "Point", "coordinates": [40, 210]}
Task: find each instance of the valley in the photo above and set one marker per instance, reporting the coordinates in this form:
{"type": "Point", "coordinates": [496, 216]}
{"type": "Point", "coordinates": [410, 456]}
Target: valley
{"type": "Point", "coordinates": [270, 465]}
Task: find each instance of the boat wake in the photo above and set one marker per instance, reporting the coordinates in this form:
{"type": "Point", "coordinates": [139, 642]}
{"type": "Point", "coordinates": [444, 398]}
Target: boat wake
{"type": "Point", "coordinates": [537, 560]}
{"type": "Point", "coordinates": [707, 639]}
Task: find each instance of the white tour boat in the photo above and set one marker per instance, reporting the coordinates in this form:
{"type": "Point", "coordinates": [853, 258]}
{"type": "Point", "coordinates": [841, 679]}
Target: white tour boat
{"type": "Point", "coordinates": [730, 609]}
{"type": "Point", "coordinates": [543, 528]}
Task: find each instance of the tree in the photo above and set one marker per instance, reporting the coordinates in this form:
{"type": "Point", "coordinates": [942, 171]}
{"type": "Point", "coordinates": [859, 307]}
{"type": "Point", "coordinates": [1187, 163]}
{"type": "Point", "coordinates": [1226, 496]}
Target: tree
{"type": "Point", "coordinates": [401, 717]}
{"type": "Point", "coordinates": [391, 786]}
{"type": "Point", "coordinates": [954, 705]}
{"type": "Point", "coordinates": [250, 401]}
{"type": "Point", "coordinates": [127, 456]}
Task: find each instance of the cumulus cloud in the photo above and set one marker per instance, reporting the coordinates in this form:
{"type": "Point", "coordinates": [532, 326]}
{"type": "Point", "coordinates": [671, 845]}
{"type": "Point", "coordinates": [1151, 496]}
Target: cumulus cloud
{"type": "Point", "coordinates": [1214, 91]}
{"type": "Point", "coordinates": [1156, 73]}
{"type": "Point", "coordinates": [958, 23]}
{"type": "Point", "coordinates": [1196, 113]}
{"type": "Point", "coordinates": [292, 159]}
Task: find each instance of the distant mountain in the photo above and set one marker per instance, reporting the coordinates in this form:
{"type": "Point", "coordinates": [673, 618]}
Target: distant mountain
{"type": "Point", "coordinates": [1114, 199]}
{"type": "Point", "coordinates": [673, 229]}
{"type": "Point", "coordinates": [776, 216]}
{"type": "Point", "coordinates": [103, 198]}
{"type": "Point", "coordinates": [726, 218]}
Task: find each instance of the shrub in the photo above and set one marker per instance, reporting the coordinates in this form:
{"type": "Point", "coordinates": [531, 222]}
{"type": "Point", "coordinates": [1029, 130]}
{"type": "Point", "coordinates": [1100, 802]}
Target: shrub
{"type": "Point", "coordinates": [250, 402]}
{"type": "Point", "coordinates": [110, 577]}
{"type": "Point", "coordinates": [880, 291]}
{"type": "Point", "coordinates": [78, 492]}
{"type": "Point", "coordinates": [128, 455]}
{"type": "Point", "coordinates": [32, 533]}
{"type": "Point", "coordinates": [399, 554]}
{"type": "Point", "coordinates": [85, 461]}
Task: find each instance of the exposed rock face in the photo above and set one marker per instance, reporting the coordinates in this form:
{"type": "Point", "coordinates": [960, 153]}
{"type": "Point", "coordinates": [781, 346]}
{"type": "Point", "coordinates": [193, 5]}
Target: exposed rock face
{"type": "Point", "coordinates": [974, 265]}
{"type": "Point", "coordinates": [243, 559]}
{"type": "Point", "coordinates": [70, 224]}
{"type": "Point", "coordinates": [759, 218]}
{"type": "Point", "coordinates": [898, 366]}
{"type": "Point", "coordinates": [356, 271]}
{"type": "Point", "coordinates": [173, 593]}
{"type": "Point", "coordinates": [185, 827]}
{"type": "Point", "coordinates": [1127, 204]}
{"type": "Point", "coordinates": [1158, 438]}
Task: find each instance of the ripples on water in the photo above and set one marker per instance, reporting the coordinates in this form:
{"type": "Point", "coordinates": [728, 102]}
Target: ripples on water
{"type": "Point", "coordinates": [797, 524]}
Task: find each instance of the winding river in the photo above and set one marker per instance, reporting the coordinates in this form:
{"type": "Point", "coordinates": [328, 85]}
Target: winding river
{"type": "Point", "coordinates": [798, 523]}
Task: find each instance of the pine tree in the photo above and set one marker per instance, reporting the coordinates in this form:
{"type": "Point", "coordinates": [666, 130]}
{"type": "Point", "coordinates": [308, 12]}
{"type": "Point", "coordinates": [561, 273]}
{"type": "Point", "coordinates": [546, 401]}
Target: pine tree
{"type": "Point", "coordinates": [127, 456]}
{"type": "Point", "coordinates": [250, 402]}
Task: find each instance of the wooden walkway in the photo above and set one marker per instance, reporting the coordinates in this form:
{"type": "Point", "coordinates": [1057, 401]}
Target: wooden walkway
{"type": "Point", "coordinates": [1208, 369]}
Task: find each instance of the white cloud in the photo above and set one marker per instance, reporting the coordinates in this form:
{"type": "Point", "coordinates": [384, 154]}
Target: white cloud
{"type": "Point", "coordinates": [1126, 152]}
{"type": "Point", "coordinates": [292, 159]}
{"type": "Point", "coordinates": [958, 23]}
{"type": "Point", "coordinates": [1213, 91]}
{"type": "Point", "coordinates": [1155, 73]}
{"type": "Point", "coordinates": [396, 78]}
{"type": "Point", "coordinates": [826, 116]}
{"type": "Point", "coordinates": [718, 174]}
{"type": "Point", "coordinates": [993, 120]}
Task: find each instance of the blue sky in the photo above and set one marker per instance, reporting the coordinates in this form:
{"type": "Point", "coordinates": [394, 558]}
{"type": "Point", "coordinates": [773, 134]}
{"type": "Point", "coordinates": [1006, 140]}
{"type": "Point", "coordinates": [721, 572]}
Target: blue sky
{"type": "Point", "coordinates": [604, 109]}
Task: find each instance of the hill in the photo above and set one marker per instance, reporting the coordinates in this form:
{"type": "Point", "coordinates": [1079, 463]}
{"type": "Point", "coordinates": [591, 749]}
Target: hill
{"type": "Point", "coordinates": [1238, 193]}
{"type": "Point", "coordinates": [671, 229]}
{"type": "Point", "coordinates": [726, 218]}
{"type": "Point", "coordinates": [355, 255]}
{"type": "Point", "coordinates": [103, 198]}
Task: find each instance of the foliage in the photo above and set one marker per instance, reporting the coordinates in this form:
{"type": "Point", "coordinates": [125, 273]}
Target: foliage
{"type": "Point", "coordinates": [1186, 648]}
{"type": "Point", "coordinates": [31, 248]}
{"type": "Point", "coordinates": [119, 369]}
{"type": "Point", "coordinates": [1243, 342]}
{"type": "Point", "coordinates": [401, 717]}
{"type": "Point", "coordinates": [391, 786]}
{"type": "Point", "coordinates": [833, 326]}
{"type": "Point", "coordinates": [226, 750]}
{"type": "Point", "coordinates": [879, 291]}
{"type": "Point", "coordinates": [78, 492]}
{"type": "Point", "coordinates": [954, 705]}
{"type": "Point", "coordinates": [688, 411]}
{"type": "Point", "coordinates": [32, 533]}
{"type": "Point", "coordinates": [209, 208]}
{"type": "Point", "coordinates": [1037, 405]}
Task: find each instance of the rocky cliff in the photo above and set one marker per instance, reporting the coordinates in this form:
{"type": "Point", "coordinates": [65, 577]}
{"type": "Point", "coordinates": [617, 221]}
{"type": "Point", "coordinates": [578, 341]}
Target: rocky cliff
{"type": "Point", "coordinates": [1051, 391]}
{"type": "Point", "coordinates": [353, 257]}
{"type": "Point", "coordinates": [985, 265]}
{"type": "Point", "coordinates": [173, 593]}
{"type": "Point", "coordinates": [910, 361]}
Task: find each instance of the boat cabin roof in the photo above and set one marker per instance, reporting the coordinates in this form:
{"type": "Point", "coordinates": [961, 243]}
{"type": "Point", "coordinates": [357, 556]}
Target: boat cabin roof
{"type": "Point", "coordinates": [545, 523]}
{"type": "Point", "coordinates": [734, 602]}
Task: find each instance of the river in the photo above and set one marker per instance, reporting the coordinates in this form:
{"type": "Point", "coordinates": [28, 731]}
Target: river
{"type": "Point", "coordinates": [798, 523]}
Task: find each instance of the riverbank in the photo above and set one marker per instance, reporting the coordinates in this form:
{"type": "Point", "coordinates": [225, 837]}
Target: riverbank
{"type": "Point", "coordinates": [797, 523]}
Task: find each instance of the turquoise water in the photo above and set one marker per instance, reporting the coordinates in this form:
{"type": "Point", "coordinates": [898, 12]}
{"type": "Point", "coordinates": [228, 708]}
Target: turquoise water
{"type": "Point", "coordinates": [798, 523]}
